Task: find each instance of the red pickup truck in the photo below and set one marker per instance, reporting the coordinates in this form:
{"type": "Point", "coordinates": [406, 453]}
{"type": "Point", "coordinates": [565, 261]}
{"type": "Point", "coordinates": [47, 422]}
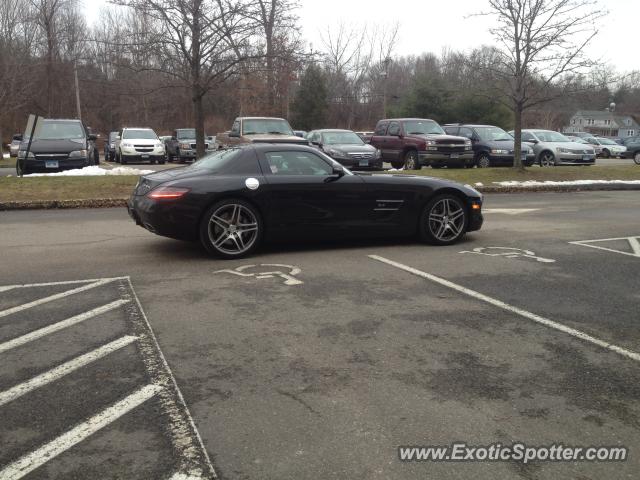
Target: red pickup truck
{"type": "Point", "coordinates": [416, 142]}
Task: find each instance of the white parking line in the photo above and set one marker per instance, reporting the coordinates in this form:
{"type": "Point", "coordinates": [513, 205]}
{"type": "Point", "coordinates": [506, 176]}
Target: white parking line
{"type": "Point", "coordinates": [42, 455]}
{"type": "Point", "coordinates": [57, 296]}
{"type": "Point", "coordinates": [36, 334]}
{"type": "Point", "coordinates": [53, 284]}
{"type": "Point", "coordinates": [510, 308]}
{"type": "Point", "coordinates": [64, 369]}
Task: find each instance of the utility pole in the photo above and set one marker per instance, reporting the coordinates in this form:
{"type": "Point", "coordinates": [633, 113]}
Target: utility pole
{"type": "Point", "coordinates": [75, 74]}
{"type": "Point", "coordinates": [384, 93]}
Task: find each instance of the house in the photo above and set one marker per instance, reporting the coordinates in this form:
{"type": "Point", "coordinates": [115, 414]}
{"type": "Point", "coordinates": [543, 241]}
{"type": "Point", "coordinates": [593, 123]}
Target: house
{"type": "Point", "coordinates": [604, 123]}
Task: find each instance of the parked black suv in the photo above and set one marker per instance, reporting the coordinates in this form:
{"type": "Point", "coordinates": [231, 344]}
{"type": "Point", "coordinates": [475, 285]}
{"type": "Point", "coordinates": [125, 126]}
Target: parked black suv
{"type": "Point", "coordinates": [182, 145]}
{"type": "Point", "coordinates": [57, 145]}
{"type": "Point", "coordinates": [347, 148]}
{"type": "Point", "coordinates": [492, 146]}
{"type": "Point", "coordinates": [110, 147]}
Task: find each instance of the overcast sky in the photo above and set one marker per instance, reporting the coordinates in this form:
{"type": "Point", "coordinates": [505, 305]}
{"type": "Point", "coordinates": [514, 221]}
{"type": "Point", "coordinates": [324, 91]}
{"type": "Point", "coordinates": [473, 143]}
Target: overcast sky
{"type": "Point", "coordinates": [432, 25]}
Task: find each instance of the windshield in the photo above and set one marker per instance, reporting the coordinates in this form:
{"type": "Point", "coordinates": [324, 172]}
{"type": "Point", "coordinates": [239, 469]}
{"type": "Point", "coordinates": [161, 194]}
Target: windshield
{"type": "Point", "coordinates": [272, 126]}
{"type": "Point", "coordinates": [216, 160]}
{"type": "Point", "coordinates": [59, 131]}
{"type": "Point", "coordinates": [549, 136]}
{"type": "Point", "coordinates": [139, 133]}
{"type": "Point", "coordinates": [422, 127]}
{"type": "Point", "coordinates": [493, 134]}
{"type": "Point", "coordinates": [341, 138]}
{"type": "Point", "coordinates": [187, 133]}
{"type": "Point", "coordinates": [606, 141]}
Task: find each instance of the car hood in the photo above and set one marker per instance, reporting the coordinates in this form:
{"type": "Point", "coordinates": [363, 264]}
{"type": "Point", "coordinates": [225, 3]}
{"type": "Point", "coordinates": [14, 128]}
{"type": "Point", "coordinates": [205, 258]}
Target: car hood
{"type": "Point", "coordinates": [141, 141]}
{"type": "Point", "coordinates": [270, 138]}
{"type": "Point", "coordinates": [351, 148]}
{"type": "Point", "coordinates": [571, 145]}
{"type": "Point", "coordinates": [417, 180]}
{"type": "Point", "coordinates": [55, 146]}
{"type": "Point", "coordinates": [439, 137]}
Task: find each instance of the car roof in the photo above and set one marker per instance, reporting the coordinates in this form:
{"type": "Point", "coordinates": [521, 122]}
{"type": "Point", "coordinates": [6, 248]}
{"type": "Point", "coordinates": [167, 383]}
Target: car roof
{"type": "Point", "coordinates": [405, 119]}
{"type": "Point", "coordinates": [70, 120]}
{"type": "Point", "coordinates": [262, 118]}
{"type": "Point", "coordinates": [323, 130]}
{"type": "Point", "coordinates": [471, 125]}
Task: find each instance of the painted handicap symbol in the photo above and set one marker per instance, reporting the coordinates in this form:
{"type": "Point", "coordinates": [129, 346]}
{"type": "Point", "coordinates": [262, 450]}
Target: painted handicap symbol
{"type": "Point", "coordinates": [508, 252]}
{"type": "Point", "coordinates": [268, 270]}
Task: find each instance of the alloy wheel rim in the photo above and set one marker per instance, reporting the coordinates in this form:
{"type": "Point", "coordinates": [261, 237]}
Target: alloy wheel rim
{"type": "Point", "coordinates": [446, 220]}
{"type": "Point", "coordinates": [636, 158]}
{"type": "Point", "coordinates": [233, 229]}
{"type": "Point", "coordinates": [547, 160]}
{"type": "Point", "coordinates": [411, 162]}
{"type": "Point", "coordinates": [483, 162]}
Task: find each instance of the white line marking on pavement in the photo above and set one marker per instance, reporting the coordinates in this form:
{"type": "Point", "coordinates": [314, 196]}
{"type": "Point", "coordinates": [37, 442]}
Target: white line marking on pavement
{"type": "Point", "coordinates": [510, 211]}
{"type": "Point", "coordinates": [57, 296]}
{"type": "Point", "coordinates": [53, 284]}
{"type": "Point", "coordinates": [633, 243]}
{"type": "Point", "coordinates": [181, 426]}
{"type": "Point", "coordinates": [36, 334]}
{"type": "Point", "coordinates": [42, 455]}
{"type": "Point", "coordinates": [505, 306]}
{"type": "Point", "coordinates": [64, 369]}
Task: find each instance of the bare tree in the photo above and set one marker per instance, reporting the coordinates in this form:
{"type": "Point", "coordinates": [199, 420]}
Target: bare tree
{"type": "Point", "coordinates": [193, 41]}
{"type": "Point", "coordinates": [541, 49]}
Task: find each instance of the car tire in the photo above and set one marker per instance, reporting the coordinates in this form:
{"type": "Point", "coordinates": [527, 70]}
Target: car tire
{"type": "Point", "coordinates": [606, 153]}
{"type": "Point", "coordinates": [411, 160]}
{"type": "Point", "coordinates": [444, 220]}
{"type": "Point", "coordinates": [21, 171]}
{"type": "Point", "coordinates": [483, 161]}
{"type": "Point", "coordinates": [123, 161]}
{"type": "Point", "coordinates": [636, 158]}
{"type": "Point", "coordinates": [547, 159]}
{"type": "Point", "coordinates": [219, 229]}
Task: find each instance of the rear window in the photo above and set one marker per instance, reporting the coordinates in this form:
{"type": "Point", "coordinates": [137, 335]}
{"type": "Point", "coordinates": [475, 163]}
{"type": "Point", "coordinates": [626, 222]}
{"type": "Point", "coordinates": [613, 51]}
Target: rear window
{"type": "Point", "coordinates": [233, 161]}
{"type": "Point", "coordinates": [381, 128]}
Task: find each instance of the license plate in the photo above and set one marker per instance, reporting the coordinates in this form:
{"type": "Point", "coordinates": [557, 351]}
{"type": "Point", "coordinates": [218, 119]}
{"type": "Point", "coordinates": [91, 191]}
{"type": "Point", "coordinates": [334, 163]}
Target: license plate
{"type": "Point", "coordinates": [364, 163]}
{"type": "Point", "coordinates": [144, 157]}
{"type": "Point", "coordinates": [51, 163]}
{"type": "Point", "coordinates": [587, 157]}
{"type": "Point", "coordinates": [454, 155]}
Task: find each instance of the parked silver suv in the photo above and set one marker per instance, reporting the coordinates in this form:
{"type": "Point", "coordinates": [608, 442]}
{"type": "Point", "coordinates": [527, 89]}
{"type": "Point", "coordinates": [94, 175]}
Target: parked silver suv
{"type": "Point", "coordinates": [553, 148]}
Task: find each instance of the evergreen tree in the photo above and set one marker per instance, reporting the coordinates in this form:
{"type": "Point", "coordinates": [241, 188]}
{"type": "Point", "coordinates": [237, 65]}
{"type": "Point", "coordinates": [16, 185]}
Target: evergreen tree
{"type": "Point", "coordinates": [311, 103]}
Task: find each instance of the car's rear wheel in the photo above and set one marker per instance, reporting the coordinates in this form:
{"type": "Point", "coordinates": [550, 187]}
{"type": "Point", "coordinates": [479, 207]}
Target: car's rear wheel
{"type": "Point", "coordinates": [547, 159]}
{"type": "Point", "coordinates": [411, 161]}
{"type": "Point", "coordinates": [231, 229]}
{"type": "Point", "coordinates": [636, 158]}
{"type": "Point", "coordinates": [443, 221]}
{"type": "Point", "coordinates": [606, 153]}
{"type": "Point", "coordinates": [483, 161]}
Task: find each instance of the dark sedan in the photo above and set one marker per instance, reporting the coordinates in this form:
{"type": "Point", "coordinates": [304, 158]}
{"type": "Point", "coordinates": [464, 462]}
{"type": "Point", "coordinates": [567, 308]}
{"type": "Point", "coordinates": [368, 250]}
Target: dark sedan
{"type": "Point", "coordinates": [347, 148]}
{"type": "Point", "coordinates": [233, 199]}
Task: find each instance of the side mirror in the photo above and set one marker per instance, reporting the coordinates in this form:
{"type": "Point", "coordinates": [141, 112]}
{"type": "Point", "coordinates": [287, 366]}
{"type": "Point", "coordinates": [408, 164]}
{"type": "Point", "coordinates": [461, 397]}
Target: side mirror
{"type": "Point", "coordinates": [317, 144]}
{"type": "Point", "coordinates": [337, 170]}
{"type": "Point", "coordinates": [535, 142]}
{"type": "Point", "coordinates": [234, 134]}
{"type": "Point", "coordinates": [93, 137]}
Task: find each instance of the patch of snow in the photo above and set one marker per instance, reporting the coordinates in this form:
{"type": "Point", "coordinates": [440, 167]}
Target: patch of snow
{"type": "Point", "coordinates": [395, 169]}
{"type": "Point", "coordinates": [5, 155]}
{"type": "Point", "coordinates": [479, 184]}
{"type": "Point", "coordinates": [535, 183]}
{"type": "Point", "coordinates": [93, 171]}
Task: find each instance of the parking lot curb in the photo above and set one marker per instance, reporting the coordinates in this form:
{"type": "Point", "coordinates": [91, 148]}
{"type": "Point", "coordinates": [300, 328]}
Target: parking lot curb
{"type": "Point", "coordinates": [122, 202]}
{"type": "Point", "coordinates": [64, 204]}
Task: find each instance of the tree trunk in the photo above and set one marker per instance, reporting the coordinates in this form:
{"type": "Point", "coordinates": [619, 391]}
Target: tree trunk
{"type": "Point", "coordinates": [517, 143]}
{"type": "Point", "coordinates": [198, 113]}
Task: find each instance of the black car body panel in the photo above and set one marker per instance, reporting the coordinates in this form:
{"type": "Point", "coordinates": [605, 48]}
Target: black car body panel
{"type": "Point", "coordinates": [294, 206]}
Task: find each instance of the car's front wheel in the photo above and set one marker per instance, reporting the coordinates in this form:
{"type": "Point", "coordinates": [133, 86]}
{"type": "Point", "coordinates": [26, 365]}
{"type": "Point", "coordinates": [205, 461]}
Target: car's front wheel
{"type": "Point", "coordinates": [231, 229]}
{"type": "Point", "coordinates": [411, 161]}
{"type": "Point", "coordinates": [547, 159]}
{"type": "Point", "coordinates": [636, 158]}
{"type": "Point", "coordinates": [443, 221]}
{"type": "Point", "coordinates": [483, 161]}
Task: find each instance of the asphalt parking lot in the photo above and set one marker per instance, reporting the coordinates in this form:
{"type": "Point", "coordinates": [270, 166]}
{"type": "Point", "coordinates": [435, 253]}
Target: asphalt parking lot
{"type": "Point", "coordinates": [319, 360]}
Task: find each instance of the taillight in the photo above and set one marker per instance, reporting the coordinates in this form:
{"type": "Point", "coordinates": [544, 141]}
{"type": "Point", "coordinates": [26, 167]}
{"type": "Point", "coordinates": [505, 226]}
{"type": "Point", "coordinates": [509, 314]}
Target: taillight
{"type": "Point", "coordinates": [167, 193]}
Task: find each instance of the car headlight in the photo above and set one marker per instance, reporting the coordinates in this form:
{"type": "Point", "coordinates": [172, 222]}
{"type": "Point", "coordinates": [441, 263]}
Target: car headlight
{"type": "Point", "coordinates": [430, 142]}
{"type": "Point", "coordinates": [185, 146]}
{"type": "Point", "coordinates": [378, 154]}
{"type": "Point", "coordinates": [23, 154]}
{"type": "Point", "coordinates": [126, 145]}
{"type": "Point", "coordinates": [112, 145]}
{"type": "Point", "coordinates": [563, 150]}
{"type": "Point", "coordinates": [158, 145]}
{"type": "Point", "coordinates": [78, 154]}
{"type": "Point", "coordinates": [498, 151]}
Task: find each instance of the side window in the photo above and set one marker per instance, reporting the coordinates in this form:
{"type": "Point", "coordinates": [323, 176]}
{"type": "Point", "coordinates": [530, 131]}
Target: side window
{"type": "Point", "coordinates": [381, 128]}
{"type": "Point", "coordinates": [451, 130]}
{"type": "Point", "coordinates": [236, 127]}
{"type": "Point", "coordinates": [466, 132]}
{"type": "Point", "coordinates": [394, 129]}
{"type": "Point", "coordinates": [297, 163]}
{"type": "Point", "coordinates": [317, 138]}
{"type": "Point", "coordinates": [527, 137]}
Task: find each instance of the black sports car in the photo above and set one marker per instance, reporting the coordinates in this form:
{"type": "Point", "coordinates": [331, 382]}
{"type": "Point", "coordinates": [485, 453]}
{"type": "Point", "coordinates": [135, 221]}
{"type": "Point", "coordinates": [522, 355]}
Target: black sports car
{"type": "Point", "coordinates": [233, 199]}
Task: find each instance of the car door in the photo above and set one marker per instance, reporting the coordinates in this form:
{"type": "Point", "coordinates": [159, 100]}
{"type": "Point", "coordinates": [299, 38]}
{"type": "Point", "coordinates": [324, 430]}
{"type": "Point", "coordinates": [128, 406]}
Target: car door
{"type": "Point", "coordinates": [379, 139]}
{"type": "Point", "coordinates": [305, 197]}
{"type": "Point", "coordinates": [393, 143]}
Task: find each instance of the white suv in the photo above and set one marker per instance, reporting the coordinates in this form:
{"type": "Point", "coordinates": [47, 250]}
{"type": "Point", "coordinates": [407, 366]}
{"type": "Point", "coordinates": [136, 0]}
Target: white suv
{"type": "Point", "coordinates": [139, 145]}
